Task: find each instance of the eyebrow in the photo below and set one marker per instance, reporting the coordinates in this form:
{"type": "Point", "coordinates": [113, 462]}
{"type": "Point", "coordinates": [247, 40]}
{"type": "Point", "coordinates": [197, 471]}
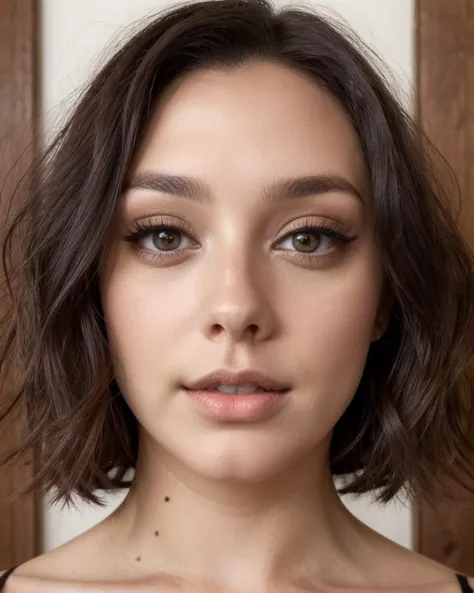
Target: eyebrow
{"type": "Point", "coordinates": [279, 190]}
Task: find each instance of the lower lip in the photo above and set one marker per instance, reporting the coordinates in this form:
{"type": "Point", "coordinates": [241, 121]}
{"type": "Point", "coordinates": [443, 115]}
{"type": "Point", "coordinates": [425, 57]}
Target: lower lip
{"type": "Point", "coordinates": [237, 407]}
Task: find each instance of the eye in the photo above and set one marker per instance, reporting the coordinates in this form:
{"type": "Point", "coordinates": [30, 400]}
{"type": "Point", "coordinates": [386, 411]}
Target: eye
{"type": "Point", "coordinates": [160, 239]}
{"type": "Point", "coordinates": [314, 240]}
{"type": "Point", "coordinates": [307, 242]}
{"type": "Point", "coordinates": [166, 239]}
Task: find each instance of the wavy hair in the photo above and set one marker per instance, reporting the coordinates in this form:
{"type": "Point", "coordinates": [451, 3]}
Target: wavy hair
{"type": "Point", "coordinates": [408, 425]}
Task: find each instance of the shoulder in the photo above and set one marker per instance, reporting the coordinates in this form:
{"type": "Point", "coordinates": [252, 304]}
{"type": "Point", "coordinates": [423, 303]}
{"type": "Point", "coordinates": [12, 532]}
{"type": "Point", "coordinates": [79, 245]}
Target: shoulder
{"type": "Point", "coordinates": [5, 576]}
{"type": "Point", "coordinates": [56, 566]}
{"type": "Point", "coordinates": [61, 569]}
{"type": "Point", "coordinates": [402, 570]}
{"type": "Point", "coordinates": [5, 572]}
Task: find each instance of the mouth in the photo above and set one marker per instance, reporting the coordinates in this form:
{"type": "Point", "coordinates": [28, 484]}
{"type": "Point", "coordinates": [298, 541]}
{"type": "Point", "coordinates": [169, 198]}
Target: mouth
{"type": "Point", "coordinates": [237, 382]}
{"type": "Point", "coordinates": [244, 389]}
{"type": "Point", "coordinates": [237, 396]}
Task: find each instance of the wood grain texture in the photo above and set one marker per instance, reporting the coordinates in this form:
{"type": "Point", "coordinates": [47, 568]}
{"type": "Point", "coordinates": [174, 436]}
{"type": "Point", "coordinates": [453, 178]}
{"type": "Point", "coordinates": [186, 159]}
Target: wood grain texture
{"type": "Point", "coordinates": [19, 520]}
{"type": "Point", "coordinates": [445, 104]}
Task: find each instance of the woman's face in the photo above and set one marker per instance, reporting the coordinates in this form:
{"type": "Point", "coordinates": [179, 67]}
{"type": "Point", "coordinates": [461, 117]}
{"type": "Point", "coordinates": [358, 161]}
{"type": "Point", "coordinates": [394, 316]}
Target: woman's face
{"type": "Point", "coordinates": [235, 279]}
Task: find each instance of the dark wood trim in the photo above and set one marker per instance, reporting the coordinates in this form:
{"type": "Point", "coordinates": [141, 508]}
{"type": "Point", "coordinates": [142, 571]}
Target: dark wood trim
{"type": "Point", "coordinates": [445, 107]}
{"type": "Point", "coordinates": [19, 19]}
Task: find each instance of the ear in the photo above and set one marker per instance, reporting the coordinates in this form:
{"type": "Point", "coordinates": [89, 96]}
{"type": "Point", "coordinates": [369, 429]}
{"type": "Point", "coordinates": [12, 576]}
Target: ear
{"type": "Point", "coordinates": [384, 312]}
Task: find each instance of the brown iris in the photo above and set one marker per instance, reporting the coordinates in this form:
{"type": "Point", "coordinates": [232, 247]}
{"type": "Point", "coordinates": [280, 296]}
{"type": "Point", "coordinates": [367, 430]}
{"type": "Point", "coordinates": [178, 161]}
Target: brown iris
{"type": "Point", "coordinates": [167, 240]}
{"type": "Point", "coordinates": [308, 242]}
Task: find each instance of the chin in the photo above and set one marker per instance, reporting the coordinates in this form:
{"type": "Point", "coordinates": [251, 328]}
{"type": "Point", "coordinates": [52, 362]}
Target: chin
{"type": "Point", "coordinates": [238, 458]}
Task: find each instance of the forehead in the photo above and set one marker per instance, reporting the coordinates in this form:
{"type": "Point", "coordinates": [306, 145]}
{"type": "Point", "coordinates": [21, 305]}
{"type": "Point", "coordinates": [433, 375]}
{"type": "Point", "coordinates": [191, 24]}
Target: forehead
{"type": "Point", "coordinates": [251, 123]}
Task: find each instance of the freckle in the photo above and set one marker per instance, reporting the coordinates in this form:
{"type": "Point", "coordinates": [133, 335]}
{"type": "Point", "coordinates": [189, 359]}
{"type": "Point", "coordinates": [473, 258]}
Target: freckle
{"type": "Point", "coordinates": [138, 558]}
{"type": "Point", "coordinates": [157, 533]}
{"type": "Point", "coordinates": [167, 498]}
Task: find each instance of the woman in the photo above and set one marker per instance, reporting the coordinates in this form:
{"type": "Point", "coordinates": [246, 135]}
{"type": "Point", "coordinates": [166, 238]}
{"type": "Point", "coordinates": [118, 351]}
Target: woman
{"type": "Point", "coordinates": [237, 276]}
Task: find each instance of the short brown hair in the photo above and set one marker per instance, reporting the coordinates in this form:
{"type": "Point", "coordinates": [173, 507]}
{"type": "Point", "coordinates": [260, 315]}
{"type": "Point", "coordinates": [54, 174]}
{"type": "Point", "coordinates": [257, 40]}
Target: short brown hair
{"type": "Point", "coordinates": [406, 426]}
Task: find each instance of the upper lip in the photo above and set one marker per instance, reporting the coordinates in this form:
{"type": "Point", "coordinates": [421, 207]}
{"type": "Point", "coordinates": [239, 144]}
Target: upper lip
{"type": "Point", "coordinates": [228, 377]}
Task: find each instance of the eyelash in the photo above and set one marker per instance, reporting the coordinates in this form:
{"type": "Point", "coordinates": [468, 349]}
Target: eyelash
{"type": "Point", "coordinates": [143, 229]}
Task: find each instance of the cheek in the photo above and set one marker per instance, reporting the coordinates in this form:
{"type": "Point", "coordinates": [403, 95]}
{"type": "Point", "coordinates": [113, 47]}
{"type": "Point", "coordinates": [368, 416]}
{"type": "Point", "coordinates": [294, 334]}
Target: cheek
{"type": "Point", "coordinates": [143, 320]}
{"type": "Point", "coordinates": [332, 334]}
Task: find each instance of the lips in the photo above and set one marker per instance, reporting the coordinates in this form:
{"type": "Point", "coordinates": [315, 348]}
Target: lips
{"type": "Point", "coordinates": [219, 379]}
{"type": "Point", "coordinates": [244, 396]}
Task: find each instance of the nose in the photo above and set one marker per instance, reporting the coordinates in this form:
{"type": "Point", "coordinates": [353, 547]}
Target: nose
{"type": "Point", "coordinates": [236, 302]}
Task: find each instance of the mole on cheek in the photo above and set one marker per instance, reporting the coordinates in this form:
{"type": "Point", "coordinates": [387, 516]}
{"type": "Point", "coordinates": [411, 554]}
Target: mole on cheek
{"type": "Point", "coordinates": [157, 533]}
{"type": "Point", "coordinates": [167, 498]}
{"type": "Point", "coordinates": [138, 558]}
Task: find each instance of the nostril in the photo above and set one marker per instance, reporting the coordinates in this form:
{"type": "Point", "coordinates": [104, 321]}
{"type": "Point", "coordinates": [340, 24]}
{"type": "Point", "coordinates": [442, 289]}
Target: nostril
{"type": "Point", "coordinates": [216, 329]}
{"type": "Point", "coordinates": [237, 330]}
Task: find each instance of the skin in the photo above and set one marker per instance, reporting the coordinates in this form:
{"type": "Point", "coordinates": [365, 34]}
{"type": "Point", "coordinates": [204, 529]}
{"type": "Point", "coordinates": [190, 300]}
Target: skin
{"type": "Point", "coordinates": [225, 506]}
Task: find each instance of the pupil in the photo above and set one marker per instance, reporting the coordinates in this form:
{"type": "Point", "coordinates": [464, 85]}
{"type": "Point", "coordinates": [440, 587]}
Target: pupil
{"type": "Point", "coordinates": [167, 240]}
{"type": "Point", "coordinates": [305, 242]}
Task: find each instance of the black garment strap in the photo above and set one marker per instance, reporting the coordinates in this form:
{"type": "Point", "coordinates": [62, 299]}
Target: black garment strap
{"type": "Point", "coordinates": [465, 586]}
{"type": "Point", "coordinates": [5, 575]}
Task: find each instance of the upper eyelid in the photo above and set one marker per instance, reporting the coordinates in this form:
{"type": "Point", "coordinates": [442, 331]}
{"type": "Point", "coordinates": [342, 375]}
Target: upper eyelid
{"type": "Point", "coordinates": [157, 221]}
{"type": "Point", "coordinates": [151, 222]}
{"type": "Point", "coordinates": [283, 235]}
{"type": "Point", "coordinates": [148, 226]}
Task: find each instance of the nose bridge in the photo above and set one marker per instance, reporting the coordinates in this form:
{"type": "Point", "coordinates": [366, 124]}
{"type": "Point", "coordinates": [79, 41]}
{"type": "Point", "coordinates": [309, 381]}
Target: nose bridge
{"type": "Point", "coordinates": [236, 301]}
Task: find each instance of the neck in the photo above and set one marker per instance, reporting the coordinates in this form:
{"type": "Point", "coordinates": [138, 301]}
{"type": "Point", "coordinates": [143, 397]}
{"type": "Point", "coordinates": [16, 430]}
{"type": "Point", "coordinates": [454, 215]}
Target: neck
{"type": "Point", "coordinates": [289, 527]}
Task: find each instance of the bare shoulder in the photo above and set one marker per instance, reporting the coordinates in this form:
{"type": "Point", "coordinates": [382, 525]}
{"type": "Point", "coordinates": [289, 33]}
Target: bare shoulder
{"type": "Point", "coordinates": [394, 568]}
{"type": "Point", "coordinates": [77, 565]}
{"type": "Point", "coordinates": [77, 557]}
{"type": "Point", "coordinates": [82, 565]}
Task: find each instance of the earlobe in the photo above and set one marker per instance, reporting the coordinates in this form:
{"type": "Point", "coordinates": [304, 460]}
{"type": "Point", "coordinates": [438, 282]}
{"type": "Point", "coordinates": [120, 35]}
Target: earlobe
{"type": "Point", "coordinates": [376, 336]}
{"type": "Point", "coordinates": [379, 331]}
{"type": "Point", "coordinates": [381, 325]}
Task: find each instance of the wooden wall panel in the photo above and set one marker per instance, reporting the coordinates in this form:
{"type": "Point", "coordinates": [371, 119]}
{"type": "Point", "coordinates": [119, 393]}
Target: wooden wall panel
{"type": "Point", "coordinates": [445, 103]}
{"type": "Point", "coordinates": [19, 521]}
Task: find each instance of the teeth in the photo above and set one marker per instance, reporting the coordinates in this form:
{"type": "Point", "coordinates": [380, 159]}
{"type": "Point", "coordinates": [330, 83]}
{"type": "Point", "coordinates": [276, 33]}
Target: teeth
{"type": "Point", "coordinates": [248, 388]}
{"type": "Point", "coordinates": [244, 389]}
